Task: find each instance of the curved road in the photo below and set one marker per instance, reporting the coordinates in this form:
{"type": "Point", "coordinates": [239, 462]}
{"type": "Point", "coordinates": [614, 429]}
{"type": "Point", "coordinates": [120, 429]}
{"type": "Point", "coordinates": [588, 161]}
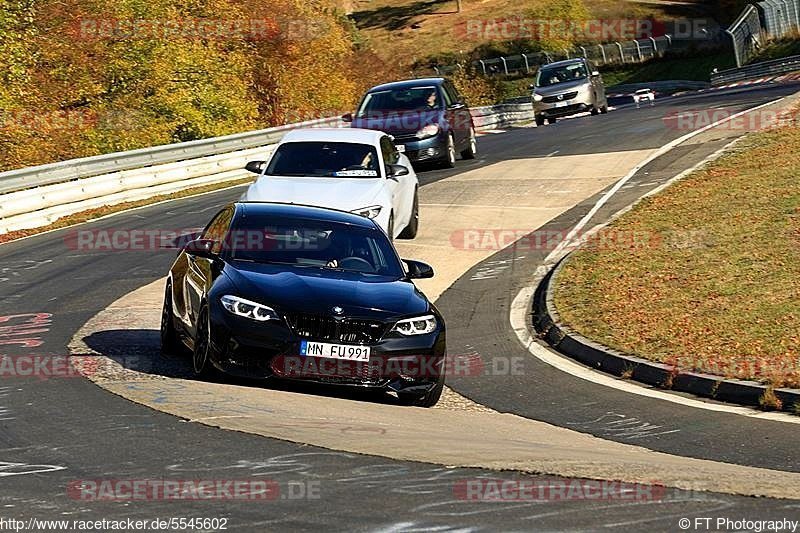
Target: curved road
{"type": "Point", "coordinates": [60, 430]}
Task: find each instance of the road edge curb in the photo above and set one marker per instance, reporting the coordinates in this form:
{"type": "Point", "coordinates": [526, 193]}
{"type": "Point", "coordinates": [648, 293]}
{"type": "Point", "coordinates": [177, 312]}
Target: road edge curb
{"type": "Point", "coordinates": [548, 326]}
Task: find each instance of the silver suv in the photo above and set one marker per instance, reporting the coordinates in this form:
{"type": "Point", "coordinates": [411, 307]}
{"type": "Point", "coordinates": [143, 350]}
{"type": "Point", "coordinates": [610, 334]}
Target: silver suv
{"type": "Point", "coordinates": [568, 87]}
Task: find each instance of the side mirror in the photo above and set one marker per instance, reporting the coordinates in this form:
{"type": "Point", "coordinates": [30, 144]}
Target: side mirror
{"type": "Point", "coordinates": [595, 73]}
{"type": "Point", "coordinates": [201, 248]}
{"type": "Point", "coordinates": [181, 241]}
{"type": "Point", "coordinates": [418, 269]}
{"type": "Point", "coordinates": [395, 171]}
{"type": "Point", "coordinates": [532, 86]}
{"type": "Point", "coordinates": [256, 167]}
{"type": "Point", "coordinates": [347, 117]}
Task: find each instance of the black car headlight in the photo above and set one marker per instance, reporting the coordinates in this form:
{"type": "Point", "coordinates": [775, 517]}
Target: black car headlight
{"type": "Point", "coordinates": [415, 326]}
{"type": "Point", "coordinates": [431, 130]}
{"type": "Point", "coordinates": [246, 308]}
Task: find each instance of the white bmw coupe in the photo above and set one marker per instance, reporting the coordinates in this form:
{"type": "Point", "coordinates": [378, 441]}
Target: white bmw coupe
{"type": "Point", "coordinates": [349, 169]}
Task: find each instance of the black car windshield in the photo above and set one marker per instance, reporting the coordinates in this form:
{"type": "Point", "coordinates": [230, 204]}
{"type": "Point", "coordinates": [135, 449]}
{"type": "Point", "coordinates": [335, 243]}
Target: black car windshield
{"type": "Point", "coordinates": [325, 159]}
{"type": "Point", "coordinates": [312, 244]}
{"type": "Point", "coordinates": [554, 75]}
{"type": "Point", "coordinates": [399, 100]}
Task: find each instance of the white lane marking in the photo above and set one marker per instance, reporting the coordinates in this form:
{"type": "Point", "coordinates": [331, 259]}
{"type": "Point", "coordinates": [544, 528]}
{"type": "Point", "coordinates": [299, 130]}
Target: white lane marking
{"type": "Point", "coordinates": [486, 206]}
{"type": "Point", "coordinates": [21, 469]}
{"type": "Point", "coordinates": [559, 250]}
{"type": "Point", "coordinates": [518, 316]}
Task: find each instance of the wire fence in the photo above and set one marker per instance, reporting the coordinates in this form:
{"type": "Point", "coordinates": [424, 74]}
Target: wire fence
{"type": "Point", "coordinates": [618, 52]}
{"type": "Point", "coordinates": [761, 22]}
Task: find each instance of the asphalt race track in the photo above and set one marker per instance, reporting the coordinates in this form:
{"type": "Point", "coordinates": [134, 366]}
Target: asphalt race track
{"type": "Point", "coordinates": [60, 430]}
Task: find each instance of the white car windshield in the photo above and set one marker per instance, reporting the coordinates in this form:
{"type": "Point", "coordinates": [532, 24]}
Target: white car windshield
{"type": "Point", "coordinates": [325, 160]}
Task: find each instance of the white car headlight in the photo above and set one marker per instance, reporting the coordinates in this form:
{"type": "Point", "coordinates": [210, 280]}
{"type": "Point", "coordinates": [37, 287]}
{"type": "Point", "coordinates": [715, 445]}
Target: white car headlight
{"type": "Point", "coordinates": [369, 212]}
{"type": "Point", "coordinates": [415, 326]}
{"type": "Point", "coordinates": [537, 97]}
{"type": "Point", "coordinates": [428, 131]}
{"type": "Point", "coordinates": [246, 308]}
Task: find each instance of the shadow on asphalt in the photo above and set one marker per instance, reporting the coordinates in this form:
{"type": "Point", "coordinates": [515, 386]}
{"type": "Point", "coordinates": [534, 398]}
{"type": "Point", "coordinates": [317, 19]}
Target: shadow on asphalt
{"type": "Point", "coordinates": [139, 350]}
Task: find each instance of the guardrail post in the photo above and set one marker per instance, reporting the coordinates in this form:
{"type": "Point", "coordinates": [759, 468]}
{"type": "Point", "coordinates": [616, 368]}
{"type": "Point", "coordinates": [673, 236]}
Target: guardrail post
{"type": "Point", "coordinates": [621, 53]}
{"type": "Point", "coordinates": [527, 66]}
{"type": "Point", "coordinates": [655, 46]}
{"type": "Point", "coordinates": [669, 38]}
{"type": "Point", "coordinates": [547, 57]}
{"type": "Point", "coordinates": [567, 53]}
{"type": "Point", "coordinates": [483, 66]}
{"type": "Point", "coordinates": [505, 65]}
{"type": "Point", "coordinates": [602, 53]}
{"type": "Point", "coordinates": [638, 50]}
{"type": "Point", "coordinates": [583, 51]}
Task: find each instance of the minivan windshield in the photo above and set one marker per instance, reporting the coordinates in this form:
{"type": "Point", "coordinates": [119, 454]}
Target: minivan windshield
{"type": "Point", "coordinates": [316, 159]}
{"type": "Point", "coordinates": [554, 75]}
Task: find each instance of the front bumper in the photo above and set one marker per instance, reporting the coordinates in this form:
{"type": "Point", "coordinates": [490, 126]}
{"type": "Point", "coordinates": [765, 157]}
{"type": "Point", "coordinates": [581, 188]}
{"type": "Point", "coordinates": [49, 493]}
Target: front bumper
{"type": "Point", "coordinates": [430, 149]}
{"type": "Point", "coordinates": [550, 111]}
{"type": "Point", "coordinates": [271, 350]}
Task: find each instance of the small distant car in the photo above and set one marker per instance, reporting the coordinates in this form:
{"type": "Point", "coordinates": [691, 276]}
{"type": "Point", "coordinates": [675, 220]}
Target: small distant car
{"type": "Point", "coordinates": [565, 88]}
{"type": "Point", "coordinates": [429, 120]}
{"type": "Point", "coordinates": [278, 291]}
{"type": "Point", "coordinates": [642, 95]}
{"type": "Point", "coordinates": [349, 169]}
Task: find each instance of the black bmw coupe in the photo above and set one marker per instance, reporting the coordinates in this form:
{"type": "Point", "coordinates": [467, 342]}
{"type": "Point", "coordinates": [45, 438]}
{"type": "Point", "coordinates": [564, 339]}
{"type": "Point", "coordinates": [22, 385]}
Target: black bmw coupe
{"type": "Point", "coordinates": [281, 291]}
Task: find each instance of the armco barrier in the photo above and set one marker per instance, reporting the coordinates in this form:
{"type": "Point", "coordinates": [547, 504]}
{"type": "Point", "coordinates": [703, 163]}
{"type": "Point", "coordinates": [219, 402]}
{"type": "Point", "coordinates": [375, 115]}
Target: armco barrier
{"type": "Point", "coordinates": [37, 196]}
{"type": "Point", "coordinates": [773, 67]}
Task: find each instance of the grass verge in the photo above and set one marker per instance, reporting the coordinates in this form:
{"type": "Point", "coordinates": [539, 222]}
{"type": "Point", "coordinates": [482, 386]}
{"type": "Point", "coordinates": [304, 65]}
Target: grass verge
{"type": "Point", "coordinates": [92, 214]}
{"type": "Point", "coordinates": [703, 276]}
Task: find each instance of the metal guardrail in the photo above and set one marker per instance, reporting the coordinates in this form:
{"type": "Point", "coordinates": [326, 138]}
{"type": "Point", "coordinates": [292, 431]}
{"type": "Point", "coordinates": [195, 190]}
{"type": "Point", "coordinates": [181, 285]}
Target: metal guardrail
{"type": "Point", "coordinates": [15, 180]}
{"type": "Point", "coordinates": [772, 67]}
{"type": "Point", "coordinates": [36, 196]}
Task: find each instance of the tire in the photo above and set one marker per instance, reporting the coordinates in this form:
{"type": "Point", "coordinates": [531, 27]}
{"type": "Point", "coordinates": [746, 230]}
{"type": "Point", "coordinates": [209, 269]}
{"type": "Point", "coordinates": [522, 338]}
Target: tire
{"type": "Point", "coordinates": [429, 399]}
{"type": "Point", "coordinates": [472, 146]}
{"type": "Point", "coordinates": [170, 343]}
{"type": "Point", "coordinates": [449, 160]}
{"type": "Point", "coordinates": [604, 109]}
{"type": "Point", "coordinates": [201, 357]}
{"type": "Point", "coordinates": [594, 111]}
{"type": "Point", "coordinates": [539, 121]}
{"type": "Point", "coordinates": [410, 231]}
{"type": "Point", "coordinates": [551, 120]}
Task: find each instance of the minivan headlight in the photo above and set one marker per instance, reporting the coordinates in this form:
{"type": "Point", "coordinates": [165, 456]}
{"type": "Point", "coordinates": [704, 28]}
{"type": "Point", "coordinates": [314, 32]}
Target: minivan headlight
{"type": "Point", "coordinates": [241, 307]}
{"type": "Point", "coordinates": [415, 326]}
{"type": "Point", "coordinates": [537, 97]}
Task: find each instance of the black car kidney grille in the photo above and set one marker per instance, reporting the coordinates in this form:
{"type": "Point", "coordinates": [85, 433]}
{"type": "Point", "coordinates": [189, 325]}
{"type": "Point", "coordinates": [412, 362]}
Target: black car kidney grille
{"type": "Point", "coordinates": [329, 329]}
{"type": "Point", "coordinates": [553, 99]}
